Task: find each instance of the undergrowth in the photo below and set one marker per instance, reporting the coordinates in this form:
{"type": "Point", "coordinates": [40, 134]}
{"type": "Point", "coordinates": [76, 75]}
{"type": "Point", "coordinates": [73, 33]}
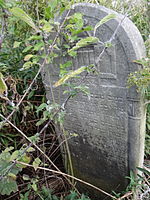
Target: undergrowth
{"type": "Point", "coordinates": [21, 46]}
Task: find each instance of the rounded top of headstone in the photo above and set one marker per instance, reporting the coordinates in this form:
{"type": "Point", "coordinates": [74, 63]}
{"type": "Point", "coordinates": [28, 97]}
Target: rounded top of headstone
{"type": "Point", "coordinates": [127, 31]}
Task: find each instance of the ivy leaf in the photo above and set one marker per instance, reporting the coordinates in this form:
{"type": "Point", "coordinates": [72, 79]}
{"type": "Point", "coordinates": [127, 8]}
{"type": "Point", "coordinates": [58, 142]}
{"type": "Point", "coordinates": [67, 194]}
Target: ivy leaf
{"type": "Point", "coordinates": [69, 75]}
{"type": "Point", "coordinates": [104, 20]}
{"type": "Point", "coordinates": [3, 86]}
{"type": "Point", "coordinates": [18, 12]}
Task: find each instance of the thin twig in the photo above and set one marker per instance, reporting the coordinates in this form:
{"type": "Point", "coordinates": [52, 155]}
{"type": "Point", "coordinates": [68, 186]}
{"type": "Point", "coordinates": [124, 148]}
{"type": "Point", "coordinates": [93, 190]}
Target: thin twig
{"type": "Point", "coordinates": [39, 71]}
{"type": "Point", "coordinates": [69, 176]}
{"type": "Point", "coordinates": [147, 102]}
{"type": "Point", "coordinates": [125, 195]}
{"type": "Point", "coordinates": [30, 141]}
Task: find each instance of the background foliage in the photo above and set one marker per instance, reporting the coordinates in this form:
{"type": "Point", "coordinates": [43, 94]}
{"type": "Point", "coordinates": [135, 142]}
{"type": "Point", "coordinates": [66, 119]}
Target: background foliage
{"type": "Point", "coordinates": [21, 44]}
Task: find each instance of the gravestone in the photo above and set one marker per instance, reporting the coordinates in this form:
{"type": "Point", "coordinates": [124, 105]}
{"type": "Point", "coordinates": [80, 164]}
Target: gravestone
{"type": "Point", "coordinates": [110, 125]}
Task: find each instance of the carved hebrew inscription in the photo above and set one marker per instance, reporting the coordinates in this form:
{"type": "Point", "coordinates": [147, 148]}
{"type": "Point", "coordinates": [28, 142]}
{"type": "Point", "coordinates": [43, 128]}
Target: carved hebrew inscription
{"type": "Point", "coordinates": [106, 65]}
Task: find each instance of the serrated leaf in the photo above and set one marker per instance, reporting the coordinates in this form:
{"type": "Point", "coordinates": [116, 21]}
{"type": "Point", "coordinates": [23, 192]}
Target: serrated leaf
{"type": "Point", "coordinates": [3, 86]}
{"type": "Point", "coordinates": [104, 20]}
{"type": "Point", "coordinates": [69, 75]}
{"type": "Point", "coordinates": [16, 44]}
{"type": "Point", "coordinates": [18, 12]}
{"type": "Point", "coordinates": [27, 57]}
{"type": "Point", "coordinates": [36, 163]}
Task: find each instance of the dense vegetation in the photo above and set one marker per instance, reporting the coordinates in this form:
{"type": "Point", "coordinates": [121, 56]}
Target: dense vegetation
{"type": "Point", "coordinates": [28, 142]}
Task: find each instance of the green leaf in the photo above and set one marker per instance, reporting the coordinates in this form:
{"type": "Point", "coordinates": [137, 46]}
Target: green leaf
{"type": "Point", "coordinates": [16, 44]}
{"type": "Point", "coordinates": [7, 186]}
{"type": "Point", "coordinates": [40, 122]}
{"type": "Point", "coordinates": [69, 75]}
{"type": "Point", "coordinates": [144, 170]}
{"type": "Point", "coordinates": [35, 138]}
{"type": "Point", "coordinates": [12, 176]}
{"type": "Point", "coordinates": [104, 20]}
{"type": "Point", "coordinates": [48, 13]}
{"type": "Point", "coordinates": [25, 177]}
{"type": "Point", "coordinates": [26, 159]}
{"type": "Point", "coordinates": [53, 4]}
{"type": "Point", "coordinates": [34, 186]}
{"type": "Point", "coordinates": [35, 37]}
{"type": "Point", "coordinates": [27, 57]}
{"type": "Point", "coordinates": [36, 163]}
{"type": "Point", "coordinates": [77, 21]}
{"type": "Point", "coordinates": [14, 155]}
{"type": "Point", "coordinates": [63, 67]}
{"type": "Point", "coordinates": [38, 46]}
{"type": "Point", "coordinates": [18, 12]}
{"type": "Point", "coordinates": [27, 65]}
{"type": "Point", "coordinates": [47, 27]}
{"type": "Point", "coordinates": [84, 42]}
{"type": "Point", "coordinates": [3, 86]}
{"type": "Point", "coordinates": [27, 49]}
{"type": "Point", "coordinates": [2, 4]}
{"type": "Point", "coordinates": [31, 149]}
{"type": "Point", "coordinates": [30, 94]}
{"type": "Point", "coordinates": [41, 107]}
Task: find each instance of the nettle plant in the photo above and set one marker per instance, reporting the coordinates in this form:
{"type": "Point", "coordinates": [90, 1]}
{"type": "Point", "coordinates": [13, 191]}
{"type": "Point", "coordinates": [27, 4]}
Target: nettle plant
{"type": "Point", "coordinates": [40, 49]}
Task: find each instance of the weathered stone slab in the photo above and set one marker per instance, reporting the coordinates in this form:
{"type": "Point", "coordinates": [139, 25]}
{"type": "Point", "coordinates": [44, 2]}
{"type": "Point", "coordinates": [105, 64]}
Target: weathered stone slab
{"type": "Point", "coordinates": [110, 126]}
